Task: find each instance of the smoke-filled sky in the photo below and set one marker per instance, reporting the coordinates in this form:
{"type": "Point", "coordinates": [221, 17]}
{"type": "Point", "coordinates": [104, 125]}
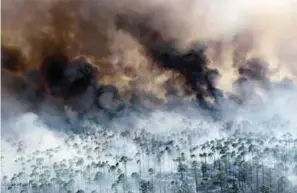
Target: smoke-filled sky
{"type": "Point", "coordinates": [232, 30]}
{"type": "Point", "coordinates": [146, 47]}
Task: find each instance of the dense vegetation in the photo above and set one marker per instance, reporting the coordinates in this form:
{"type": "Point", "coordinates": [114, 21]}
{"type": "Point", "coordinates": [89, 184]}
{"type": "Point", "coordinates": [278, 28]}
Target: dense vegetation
{"type": "Point", "coordinates": [107, 161]}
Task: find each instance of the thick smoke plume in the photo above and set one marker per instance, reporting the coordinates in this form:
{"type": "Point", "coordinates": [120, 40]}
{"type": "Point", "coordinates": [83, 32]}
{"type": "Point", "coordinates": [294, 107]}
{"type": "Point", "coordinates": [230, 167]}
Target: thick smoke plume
{"type": "Point", "coordinates": [79, 50]}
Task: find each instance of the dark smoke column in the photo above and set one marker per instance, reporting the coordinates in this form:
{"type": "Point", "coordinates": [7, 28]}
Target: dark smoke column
{"type": "Point", "coordinates": [193, 65]}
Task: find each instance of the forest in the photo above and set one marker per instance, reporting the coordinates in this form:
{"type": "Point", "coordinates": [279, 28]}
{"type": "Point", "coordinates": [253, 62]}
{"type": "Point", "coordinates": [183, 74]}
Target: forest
{"type": "Point", "coordinates": [139, 161]}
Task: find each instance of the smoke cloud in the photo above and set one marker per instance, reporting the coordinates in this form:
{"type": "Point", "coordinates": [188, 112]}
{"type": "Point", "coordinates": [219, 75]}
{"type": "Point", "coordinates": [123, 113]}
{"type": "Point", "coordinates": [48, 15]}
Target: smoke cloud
{"type": "Point", "coordinates": [115, 54]}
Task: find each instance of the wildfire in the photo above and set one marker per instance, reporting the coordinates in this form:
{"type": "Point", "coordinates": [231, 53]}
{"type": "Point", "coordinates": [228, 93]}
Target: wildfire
{"type": "Point", "coordinates": [65, 47]}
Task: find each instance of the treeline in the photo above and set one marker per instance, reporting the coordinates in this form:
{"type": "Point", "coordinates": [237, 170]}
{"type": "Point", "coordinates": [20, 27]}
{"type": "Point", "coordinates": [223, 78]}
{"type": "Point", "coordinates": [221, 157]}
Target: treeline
{"type": "Point", "coordinates": [140, 162]}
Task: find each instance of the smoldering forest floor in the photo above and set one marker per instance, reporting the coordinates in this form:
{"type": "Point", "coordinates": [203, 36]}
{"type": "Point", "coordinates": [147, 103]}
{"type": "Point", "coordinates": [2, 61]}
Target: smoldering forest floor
{"type": "Point", "coordinates": [161, 151]}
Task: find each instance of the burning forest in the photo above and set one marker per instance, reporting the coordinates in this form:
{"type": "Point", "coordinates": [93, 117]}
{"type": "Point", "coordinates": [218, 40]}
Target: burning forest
{"type": "Point", "coordinates": [148, 96]}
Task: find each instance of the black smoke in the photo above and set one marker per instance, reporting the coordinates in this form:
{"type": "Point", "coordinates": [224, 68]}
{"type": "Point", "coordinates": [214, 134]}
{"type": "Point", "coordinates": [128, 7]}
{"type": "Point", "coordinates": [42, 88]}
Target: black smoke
{"type": "Point", "coordinates": [192, 64]}
{"type": "Point", "coordinates": [75, 82]}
